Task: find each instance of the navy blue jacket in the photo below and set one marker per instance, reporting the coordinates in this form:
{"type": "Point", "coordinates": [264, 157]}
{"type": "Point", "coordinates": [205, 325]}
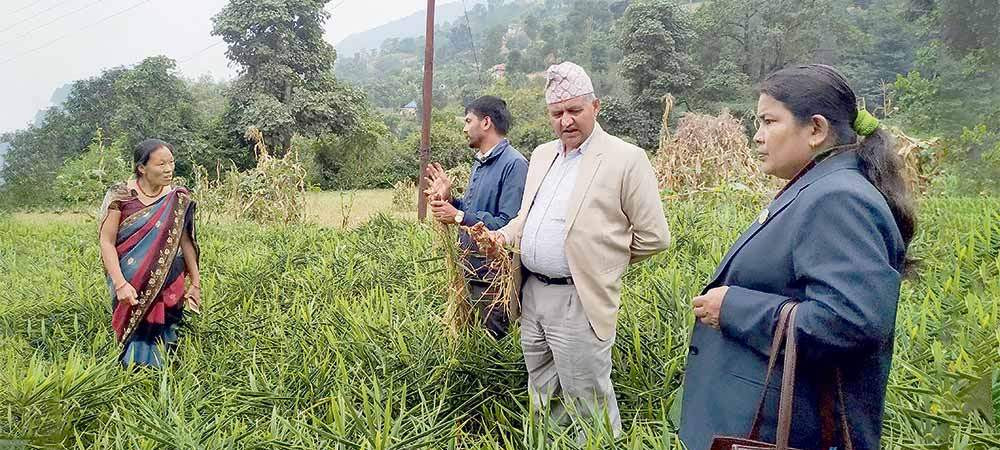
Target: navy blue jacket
{"type": "Point", "coordinates": [830, 242]}
{"type": "Point", "coordinates": [492, 197]}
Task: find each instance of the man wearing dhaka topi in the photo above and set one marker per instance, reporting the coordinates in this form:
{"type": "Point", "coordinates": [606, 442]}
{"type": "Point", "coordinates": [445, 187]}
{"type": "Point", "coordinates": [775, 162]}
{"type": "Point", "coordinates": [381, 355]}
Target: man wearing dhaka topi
{"type": "Point", "coordinates": [590, 208]}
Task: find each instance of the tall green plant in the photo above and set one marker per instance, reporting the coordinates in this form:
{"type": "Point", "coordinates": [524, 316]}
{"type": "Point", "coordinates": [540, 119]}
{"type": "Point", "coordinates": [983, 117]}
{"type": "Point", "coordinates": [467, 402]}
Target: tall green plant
{"type": "Point", "coordinates": [86, 178]}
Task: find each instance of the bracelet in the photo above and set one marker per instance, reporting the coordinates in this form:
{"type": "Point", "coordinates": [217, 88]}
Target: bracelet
{"type": "Point", "coordinates": [122, 285]}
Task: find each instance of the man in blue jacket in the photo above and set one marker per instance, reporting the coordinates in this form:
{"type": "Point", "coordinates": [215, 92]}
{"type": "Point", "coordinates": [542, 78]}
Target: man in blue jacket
{"type": "Point", "coordinates": [493, 197]}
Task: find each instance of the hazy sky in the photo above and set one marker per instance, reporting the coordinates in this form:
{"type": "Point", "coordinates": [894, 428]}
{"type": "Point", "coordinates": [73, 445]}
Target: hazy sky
{"type": "Point", "coordinates": [47, 43]}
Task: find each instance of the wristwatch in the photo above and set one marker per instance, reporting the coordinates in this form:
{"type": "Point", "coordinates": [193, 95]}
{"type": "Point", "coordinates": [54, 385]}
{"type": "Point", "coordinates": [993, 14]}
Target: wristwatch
{"type": "Point", "coordinates": [459, 216]}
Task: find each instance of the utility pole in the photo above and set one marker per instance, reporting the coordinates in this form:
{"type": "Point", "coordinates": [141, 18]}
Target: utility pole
{"type": "Point", "coordinates": [425, 129]}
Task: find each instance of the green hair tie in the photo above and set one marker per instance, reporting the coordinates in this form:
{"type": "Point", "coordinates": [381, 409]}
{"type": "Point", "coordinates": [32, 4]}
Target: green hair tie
{"type": "Point", "coordinates": [866, 123]}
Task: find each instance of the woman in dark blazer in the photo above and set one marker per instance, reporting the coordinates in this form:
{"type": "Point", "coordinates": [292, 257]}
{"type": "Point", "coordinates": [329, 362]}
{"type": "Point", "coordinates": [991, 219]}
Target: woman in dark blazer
{"type": "Point", "coordinates": [834, 239]}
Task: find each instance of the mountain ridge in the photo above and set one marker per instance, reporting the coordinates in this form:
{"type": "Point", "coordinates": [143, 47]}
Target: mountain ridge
{"type": "Point", "coordinates": [410, 26]}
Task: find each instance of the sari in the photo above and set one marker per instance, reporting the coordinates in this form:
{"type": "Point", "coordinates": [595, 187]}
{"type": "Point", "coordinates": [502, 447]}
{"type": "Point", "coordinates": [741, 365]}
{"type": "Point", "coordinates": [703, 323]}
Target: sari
{"type": "Point", "coordinates": [148, 245]}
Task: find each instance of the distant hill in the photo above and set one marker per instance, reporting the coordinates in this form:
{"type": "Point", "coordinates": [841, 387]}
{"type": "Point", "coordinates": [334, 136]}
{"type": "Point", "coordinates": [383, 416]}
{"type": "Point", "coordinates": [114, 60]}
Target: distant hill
{"type": "Point", "coordinates": [59, 96]}
{"type": "Point", "coordinates": [410, 26]}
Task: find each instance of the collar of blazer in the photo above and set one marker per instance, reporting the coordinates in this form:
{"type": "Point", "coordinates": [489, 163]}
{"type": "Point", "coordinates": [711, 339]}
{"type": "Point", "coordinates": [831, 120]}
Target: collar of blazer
{"type": "Point", "coordinates": [586, 173]}
{"type": "Point", "coordinates": [844, 160]}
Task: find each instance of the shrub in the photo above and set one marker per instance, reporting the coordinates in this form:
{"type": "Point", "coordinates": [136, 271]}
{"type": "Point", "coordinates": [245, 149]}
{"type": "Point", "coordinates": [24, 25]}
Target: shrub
{"type": "Point", "coordinates": [86, 178]}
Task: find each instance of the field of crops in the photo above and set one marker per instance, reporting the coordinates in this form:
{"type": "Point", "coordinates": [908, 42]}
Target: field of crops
{"type": "Point", "coordinates": [319, 338]}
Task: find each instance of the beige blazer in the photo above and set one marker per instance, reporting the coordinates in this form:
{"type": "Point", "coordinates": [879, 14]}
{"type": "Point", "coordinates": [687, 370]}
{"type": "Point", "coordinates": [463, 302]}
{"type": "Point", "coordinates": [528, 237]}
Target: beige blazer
{"type": "Point", "coordinates": [615, 217]}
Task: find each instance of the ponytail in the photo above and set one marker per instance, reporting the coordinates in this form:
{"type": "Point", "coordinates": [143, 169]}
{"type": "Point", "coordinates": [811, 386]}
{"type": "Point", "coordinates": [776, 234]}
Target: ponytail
{"type": "Point", "coordinates": [883, 169]}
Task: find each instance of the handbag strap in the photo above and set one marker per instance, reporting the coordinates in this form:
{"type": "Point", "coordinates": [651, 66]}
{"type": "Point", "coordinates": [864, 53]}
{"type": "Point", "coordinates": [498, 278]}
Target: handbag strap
{"type": "Point", "coordinates": [776, 343]}
{"type": "Point", "coordinates": [784, 332]}
{"type": "Point", "coordinates": [787, 384]}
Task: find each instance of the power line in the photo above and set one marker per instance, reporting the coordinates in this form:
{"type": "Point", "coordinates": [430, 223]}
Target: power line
{"type": "Point", "coordinates": [25, 7]}
{"type": "Point", "coordinates": [193, 55]}
{"type": "Point", "coordinates": [85, 27]}
{"type": "Point", "coordinates": [216, 44]}
{"type": "Point", "coordinates": [475, 51]}
{"type": "Point", "coordinates": [26, 19]}
{"type": "Point", "coordinates": [26, 33]}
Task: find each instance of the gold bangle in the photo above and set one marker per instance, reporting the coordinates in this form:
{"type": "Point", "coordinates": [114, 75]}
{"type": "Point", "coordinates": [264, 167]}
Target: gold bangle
{"type": "Point", "coordinates": [122, 285]}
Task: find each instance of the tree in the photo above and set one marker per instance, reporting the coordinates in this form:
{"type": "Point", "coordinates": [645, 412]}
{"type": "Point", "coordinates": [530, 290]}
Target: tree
{"type": "Point", "coordinates": [654, 37]}
{"type": "Point", "coordinates": [154, 102]}
{"type": "Point", "coordinates": [766, 35]}
{"type": "Point", "coordinates": [965, 26]}
{"type": "Point", "coordinates": [130, 103]}
{"type": "Point", "coordinates": [286, 85]}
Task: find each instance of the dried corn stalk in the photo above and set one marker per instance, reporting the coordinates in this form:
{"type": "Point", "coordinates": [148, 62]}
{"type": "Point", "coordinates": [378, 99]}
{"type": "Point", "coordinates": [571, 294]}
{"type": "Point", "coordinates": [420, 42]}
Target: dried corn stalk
{"type": "Point", "coordinates": [921, 159]}
{"type": "Point", "coordinates": [272, 192]}
{"type": "Point", "coordinates": [706, 152]}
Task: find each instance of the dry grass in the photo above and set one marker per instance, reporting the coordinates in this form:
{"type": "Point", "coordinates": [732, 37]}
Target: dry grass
{"type": "Point", "coordinates": [921, 159]}
{"type": "Point", "coordinates": [48, 218]}
{"type": "Point", "coordinates": [458, 315]}
{"type": "Point", "coordinates": [504, 284]}
{"type": "Point", "coordinates": [404, 196]}
{"type": "Point", "coordinates": [706, 152]}
{"type": "Point", "coordinates": [459, 176]}
{"type": "Point", "coordinates": [322, 208]}
{"type": "Point", "coordinates": [327, 208]}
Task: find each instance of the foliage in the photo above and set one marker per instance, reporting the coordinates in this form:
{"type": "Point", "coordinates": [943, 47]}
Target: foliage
{"type": "Point", "coordinates": [926, 66]}
{"type": "Point", "coordinates": [449, 147]}
{"type": "Point", "coordinates": [286, 86]}
{"type": "Point", "coordinates": [314, 338]}
{"type": "Point", "coordinates": [654, 36]}
{"type": "Point", "coordinates": [353, 160]}
{"type": "Point", "coordinates": [459, 176]}
{"type": "Point", "coordinates": [971, 163]}
{"type": "Point", "coordinates": [86, 178]}
{"type": "Point", "coordinates": [526, 36]}
{"type": "Point", "coordinates": [526, 103]}
{"type": "Point", "coordinates": [153, 101]}
{"type": "Point", "coordinates": [945, 94]}
{"type": "Point", "coordinates": [271, 193]}
{"type": "Point", "coordinates": [762, 36]}
{"type": "Point", "coordinates": [404, 196]}
{"type": "Point", "coordinates": [967, 27]}
{"type": "Point", "coordinates": [130, 103]}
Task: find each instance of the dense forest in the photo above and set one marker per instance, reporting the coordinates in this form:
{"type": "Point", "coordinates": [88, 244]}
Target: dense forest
{"type": "Point", "coordinates": [929, 67]}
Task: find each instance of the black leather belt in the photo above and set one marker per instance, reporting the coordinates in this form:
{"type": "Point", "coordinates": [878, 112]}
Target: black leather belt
{"type": "Point", "coordinates": [557, 281]}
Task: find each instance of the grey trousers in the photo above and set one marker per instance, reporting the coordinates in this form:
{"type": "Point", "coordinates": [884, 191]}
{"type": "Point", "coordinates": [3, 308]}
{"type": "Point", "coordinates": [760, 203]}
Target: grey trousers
{"type": "Point", "coordinates": [569, 368]}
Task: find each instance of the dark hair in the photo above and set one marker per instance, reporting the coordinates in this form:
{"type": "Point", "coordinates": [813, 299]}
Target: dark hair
{"type": "Point", "coordinates": [142, 151]}
{"type": "Point", "coordinates": [820, 89]}
{"type": "Point", "coordinates": [495, 109]}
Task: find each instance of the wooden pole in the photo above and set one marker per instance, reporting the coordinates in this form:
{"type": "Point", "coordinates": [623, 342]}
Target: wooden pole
{"type": "Point", "coordinates": [425, 129]}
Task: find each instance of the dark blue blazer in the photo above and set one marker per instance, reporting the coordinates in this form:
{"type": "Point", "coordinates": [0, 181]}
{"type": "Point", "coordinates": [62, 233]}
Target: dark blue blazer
{"type": "Point", "coordinates": [492, 197]}
{"type": "Point", "coordinates": [829, 241]}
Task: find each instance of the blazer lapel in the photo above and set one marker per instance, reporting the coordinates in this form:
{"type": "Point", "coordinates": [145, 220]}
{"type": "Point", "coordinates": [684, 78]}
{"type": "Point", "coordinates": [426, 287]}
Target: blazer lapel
{"type": "Point", "coordinates": [773, 209]}
{"type": "Point", "coordinates": [840, 161]}
{"type": "Point", "coordinates": [590, 162]}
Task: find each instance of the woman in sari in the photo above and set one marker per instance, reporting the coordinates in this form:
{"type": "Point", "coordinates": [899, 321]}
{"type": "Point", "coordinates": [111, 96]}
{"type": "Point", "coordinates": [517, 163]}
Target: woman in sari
{"type": "Point", "coordinates": [150, 255]}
